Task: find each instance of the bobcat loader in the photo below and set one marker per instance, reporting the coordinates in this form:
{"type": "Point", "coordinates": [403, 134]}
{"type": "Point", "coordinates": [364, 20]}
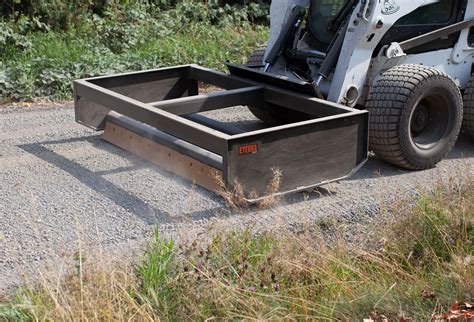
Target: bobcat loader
{"type": "Point", "coordinates": [336, 78]}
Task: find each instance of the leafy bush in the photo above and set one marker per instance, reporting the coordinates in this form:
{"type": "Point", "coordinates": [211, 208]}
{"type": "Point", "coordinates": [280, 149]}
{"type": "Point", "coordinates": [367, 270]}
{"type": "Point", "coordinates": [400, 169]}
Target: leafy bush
{"type": "Point", "coordinates": [10, 39]}
{"type": "Point", "coordinates": [64, 15]}
{"type": "Point", "coordinates": [39, 60]}
{"type": "Point", "coordinates": [192, 11]}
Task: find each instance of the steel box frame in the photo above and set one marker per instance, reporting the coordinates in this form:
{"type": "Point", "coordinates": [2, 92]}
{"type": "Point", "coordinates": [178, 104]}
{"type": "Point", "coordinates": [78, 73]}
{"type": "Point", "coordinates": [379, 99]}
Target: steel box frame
{"type": "Point", "coordinates": [164, 99]}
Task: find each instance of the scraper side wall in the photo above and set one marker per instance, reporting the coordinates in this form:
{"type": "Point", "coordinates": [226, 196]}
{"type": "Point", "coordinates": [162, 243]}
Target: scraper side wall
{"type": "Point", "coordinates": [306, 155]}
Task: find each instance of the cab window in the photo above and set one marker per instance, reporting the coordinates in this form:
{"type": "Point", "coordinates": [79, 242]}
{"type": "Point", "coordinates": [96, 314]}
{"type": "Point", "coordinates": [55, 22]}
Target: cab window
{"type": "Point", "coordinates": [431, 14]}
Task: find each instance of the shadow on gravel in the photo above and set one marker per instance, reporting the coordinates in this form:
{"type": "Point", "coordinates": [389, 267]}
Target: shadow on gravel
{"type": "Point", "coordinates": [375, 168]}
{"type": "Point", "coordinates": [316, 193]}
{"type": "Point", "coordinates": [96, 180]}
{"type": "Point", "coordinates": [464, 148]}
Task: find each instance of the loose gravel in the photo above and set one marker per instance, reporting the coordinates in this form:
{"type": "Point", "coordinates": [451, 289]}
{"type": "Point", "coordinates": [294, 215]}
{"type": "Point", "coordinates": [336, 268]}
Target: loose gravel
{"type": "Point", "coordinates": [62, 189]}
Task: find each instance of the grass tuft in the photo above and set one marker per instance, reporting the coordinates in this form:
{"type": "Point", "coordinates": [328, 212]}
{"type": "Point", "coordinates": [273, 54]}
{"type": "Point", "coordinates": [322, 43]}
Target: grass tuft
{"type": "Point", "coordinates": [236, 198]}
{"type": "Point", "coordinates": [272, 189]}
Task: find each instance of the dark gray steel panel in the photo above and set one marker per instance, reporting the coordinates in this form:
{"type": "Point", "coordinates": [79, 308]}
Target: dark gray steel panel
{"type": "Point", "coordinates": [152, 91]}
{"type": "Point", "coordinates": [218, 79]}
{"type": "Point", "coordinates": [142, 77]}
{"type": "Point", "coordinates": [309, 154]}
{"type": "Point", "coordinates": [90, 114]}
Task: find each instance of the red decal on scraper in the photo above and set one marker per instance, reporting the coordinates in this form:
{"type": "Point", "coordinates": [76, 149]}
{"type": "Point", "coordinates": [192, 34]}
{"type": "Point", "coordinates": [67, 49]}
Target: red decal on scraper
{"type": "Point", "coordinates": [248, 149]}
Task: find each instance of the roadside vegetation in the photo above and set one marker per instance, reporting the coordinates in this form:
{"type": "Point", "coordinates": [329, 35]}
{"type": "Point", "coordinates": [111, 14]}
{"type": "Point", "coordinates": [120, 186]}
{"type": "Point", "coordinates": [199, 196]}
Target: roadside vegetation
{"type": "Point", "coordinates": [417, 266]}
{"type": "Point", "coordinates": [46, 44]}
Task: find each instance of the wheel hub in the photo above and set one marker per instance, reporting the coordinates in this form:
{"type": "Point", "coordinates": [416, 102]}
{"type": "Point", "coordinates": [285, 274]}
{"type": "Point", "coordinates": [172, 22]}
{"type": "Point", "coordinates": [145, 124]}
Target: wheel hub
{"type": "Point", "coordinates": [421, 119]}
{"type": "Point", "coordinates": [429, 121]}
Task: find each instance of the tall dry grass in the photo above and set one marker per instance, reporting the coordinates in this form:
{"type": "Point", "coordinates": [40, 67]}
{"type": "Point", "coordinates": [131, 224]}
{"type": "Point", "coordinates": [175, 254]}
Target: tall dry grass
{"type": "Point", "coordinates": [416, 265]}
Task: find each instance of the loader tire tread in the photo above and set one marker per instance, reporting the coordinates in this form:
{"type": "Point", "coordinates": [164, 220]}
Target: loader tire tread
{"type": "Point", "coordinates": [468, 123]}
{"type": "Point", "coordinates": [387, 100]}
{"type": "Point", "coordinates": [271, 114]}
{"type": "Point", "coordinates": [256, 60]}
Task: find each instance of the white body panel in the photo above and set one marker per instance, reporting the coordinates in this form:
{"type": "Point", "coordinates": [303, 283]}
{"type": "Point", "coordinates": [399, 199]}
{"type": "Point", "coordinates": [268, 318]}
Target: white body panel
{"type": "Point", "coordinates": [361, 39]}
{"type": "Point", "coordinates": [441, 59]}
{"type": "Point", "coordinates": [456, 62]}
{"type": "Point", "coordinates": [368, 24]}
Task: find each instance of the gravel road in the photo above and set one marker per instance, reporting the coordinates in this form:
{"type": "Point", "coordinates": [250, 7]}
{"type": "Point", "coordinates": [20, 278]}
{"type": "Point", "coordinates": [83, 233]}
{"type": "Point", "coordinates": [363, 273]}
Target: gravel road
{"type": "Point", "coordinates": [61, 187]}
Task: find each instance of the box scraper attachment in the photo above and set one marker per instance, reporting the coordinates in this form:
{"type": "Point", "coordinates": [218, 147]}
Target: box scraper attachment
{"type": "Point", "coordinates": [154, 115]}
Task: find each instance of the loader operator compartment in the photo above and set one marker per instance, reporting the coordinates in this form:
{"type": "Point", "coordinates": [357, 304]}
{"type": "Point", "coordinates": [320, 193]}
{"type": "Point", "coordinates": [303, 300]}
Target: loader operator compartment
{"type": "Point", "coordinates": [160, 116]}
{"type": "Point", "coordinates": [322, 15]}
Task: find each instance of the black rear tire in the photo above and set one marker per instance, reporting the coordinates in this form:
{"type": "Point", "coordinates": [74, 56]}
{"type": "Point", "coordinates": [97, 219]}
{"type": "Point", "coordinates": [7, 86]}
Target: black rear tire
{"type": "Point", "coordinates": [468, 123]}
{"type": "Point", "coordinates": [270, 113]}
{"type": "Point", "coordinates": [415, 116]}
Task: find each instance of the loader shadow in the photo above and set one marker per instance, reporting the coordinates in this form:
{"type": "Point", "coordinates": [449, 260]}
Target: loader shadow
{"type": "Point", "coordinates": [96, 181]}
{"type": "Point", "coordinates": [376, 168]}
{"type": "Point", "coordinates": [463, 149]}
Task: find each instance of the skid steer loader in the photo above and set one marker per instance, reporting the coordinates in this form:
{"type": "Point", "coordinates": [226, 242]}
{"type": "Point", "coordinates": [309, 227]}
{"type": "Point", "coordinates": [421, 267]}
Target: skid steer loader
{"type": "Point", "coordinates": [335, 77]}
{"type": "Point", "coordinates": [405, 61]}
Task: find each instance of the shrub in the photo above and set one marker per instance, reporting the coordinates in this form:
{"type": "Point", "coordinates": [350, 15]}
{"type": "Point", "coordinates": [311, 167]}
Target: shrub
{"type": "Point", "coordinates": [10, 39]}
{"type": "Point", "coordinates": [39, 60]}
{"type": "Point", "coordinates": [63, 15]}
